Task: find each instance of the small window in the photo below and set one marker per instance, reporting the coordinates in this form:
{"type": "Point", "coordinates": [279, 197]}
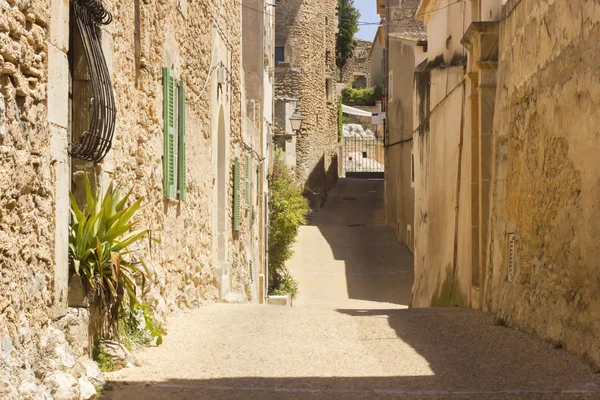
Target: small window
{"type": "Point", "coordinates": [361, 53]}
{"type": "Point", "coordinates": [329, 89]}
{"type": "Point", "coordinates": [279, 54]}
{"type": "Point", "coordinates": [327, 56]}
{"type": "Point", "coordinates": [326, 21]}
{"type": "Point", "coordinates": [364, 154]}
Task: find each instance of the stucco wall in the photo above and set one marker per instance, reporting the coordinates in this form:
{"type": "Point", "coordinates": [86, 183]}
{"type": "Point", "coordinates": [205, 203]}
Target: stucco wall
{"type": "Point", "coordinates": [545, 184]}
{"type": "Point", "coordinates": [377, 62]}
{"type": "Point", "coordinates": [439, 279]}
{"type": "Point", "coordinates": [399, 191]}
{"type": "Point", "coordinates": [307, 29]}
{"type": "Point", "coordinates": [445, 29]}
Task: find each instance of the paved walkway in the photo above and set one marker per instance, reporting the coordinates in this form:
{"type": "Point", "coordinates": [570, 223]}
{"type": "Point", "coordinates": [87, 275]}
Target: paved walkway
{"type": "Point", "coordinates": [350, 335]}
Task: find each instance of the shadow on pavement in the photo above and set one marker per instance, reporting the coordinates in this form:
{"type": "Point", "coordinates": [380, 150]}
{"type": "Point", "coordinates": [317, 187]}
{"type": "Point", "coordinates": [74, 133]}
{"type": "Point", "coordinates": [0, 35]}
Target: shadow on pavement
{"type": "Point", "coordinates": [377, 267]}
{"type": "Point", "coordinates": [469, 352]}
{"type": "Point", "coordinates": [322, 388]}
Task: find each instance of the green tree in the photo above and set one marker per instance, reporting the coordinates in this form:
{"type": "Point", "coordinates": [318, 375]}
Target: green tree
{"type": "Point", "coordinates": [348, 26]}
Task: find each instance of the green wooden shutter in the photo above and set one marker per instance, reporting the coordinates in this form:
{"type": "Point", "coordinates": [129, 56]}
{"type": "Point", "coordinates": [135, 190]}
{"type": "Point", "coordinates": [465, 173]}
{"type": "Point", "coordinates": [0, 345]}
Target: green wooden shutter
{"type": "Point", "coordinates": [181, 148]}
{"type": "Point", "coordinates": [247, 178]}
{"type": "Point", "coordinates": [169, 133]}
{"type": "Point", "coordinates": [236, 194]}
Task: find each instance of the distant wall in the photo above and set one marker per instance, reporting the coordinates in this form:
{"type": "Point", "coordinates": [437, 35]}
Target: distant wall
{"type": "Point", "coordinates": [399, 198]}
{"type": "Point", "coordinates": [377, 63]}
{"type": "Point", "coordinates": [358, 65]}
{"type": "Point", "coordinates": [307, 31]}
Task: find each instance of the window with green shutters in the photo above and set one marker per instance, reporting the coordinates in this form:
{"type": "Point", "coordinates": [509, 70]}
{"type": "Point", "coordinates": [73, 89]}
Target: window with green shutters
{"type": "Point", "coordinates": [169, 133]}
{"type": "Point", "coordinates": [236, 194]}
{"type": "Point", "coordinates": [181, 148]}
{"type": "Point", "coordinates": [174, 170]}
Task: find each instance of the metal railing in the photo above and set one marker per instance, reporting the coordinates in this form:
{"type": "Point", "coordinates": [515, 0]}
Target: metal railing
{"type": "Point", "coordinates": [363, 155]}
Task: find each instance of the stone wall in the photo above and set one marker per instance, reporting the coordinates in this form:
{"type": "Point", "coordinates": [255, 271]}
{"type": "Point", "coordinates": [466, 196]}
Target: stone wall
{"type": "Point", "coordinates": [358, 65]}
{"type": "Point", "coordinates": [44, 345]}
{"type": "Point", "coordinates": [545, 185]}
{"type": "Point", "coordinates": [307, 30]}
{"type": "Point", "coordinates": [28, 177]}
{"type": "Point", "coordinates": [184, 263]}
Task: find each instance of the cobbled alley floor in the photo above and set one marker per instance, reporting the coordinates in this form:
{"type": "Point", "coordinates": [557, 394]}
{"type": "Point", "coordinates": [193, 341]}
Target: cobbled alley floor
{"type": "Point", "coordinates": [350, 333]}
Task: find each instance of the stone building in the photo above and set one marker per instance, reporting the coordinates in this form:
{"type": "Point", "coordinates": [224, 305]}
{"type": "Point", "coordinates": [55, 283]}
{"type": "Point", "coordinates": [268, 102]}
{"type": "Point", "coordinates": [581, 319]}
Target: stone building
{"type": "Point", "coordinates": [356, 72]}
{"type": "Point", "coordinates": [153, 62]}
{"type": "Point", "coordinates": [505, 167]}
{"type": "Point", "coordinates": [305, 73]}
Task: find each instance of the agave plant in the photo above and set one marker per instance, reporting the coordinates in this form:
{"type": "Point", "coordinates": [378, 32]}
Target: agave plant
{"type": "Point", "coordinates": [100, 242]}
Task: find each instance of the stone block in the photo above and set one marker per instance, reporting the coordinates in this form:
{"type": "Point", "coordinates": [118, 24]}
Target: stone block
{"type": "Point", "coordinates": [280, 300]}
{"type": "Point", "coordinates": [59, 24]}
{"type": "Point", "coordinates": [87, 390]}
{"type": "Point", "coordinates": [58, 152]}
{"type": "Point", "coordinates": [58, 87]}
{"type": "Point", "coordinates": [62, 386]}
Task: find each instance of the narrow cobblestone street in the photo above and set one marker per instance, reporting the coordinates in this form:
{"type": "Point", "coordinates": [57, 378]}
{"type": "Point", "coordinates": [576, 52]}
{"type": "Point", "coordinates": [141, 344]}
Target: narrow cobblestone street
{"type": "Point", "coordinates": [350, 334]}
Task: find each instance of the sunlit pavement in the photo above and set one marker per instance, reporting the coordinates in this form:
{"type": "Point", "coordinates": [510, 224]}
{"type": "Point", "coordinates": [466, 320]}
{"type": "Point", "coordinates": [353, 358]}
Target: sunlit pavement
{"type": "Point", "coordinates": [350, 334]}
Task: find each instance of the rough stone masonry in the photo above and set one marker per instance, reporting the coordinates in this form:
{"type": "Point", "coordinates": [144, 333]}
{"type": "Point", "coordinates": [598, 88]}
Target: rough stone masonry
{"type": "Point", "coordinates": [44, 345]}
{"type": "Point", "coordinates": [306, 30]}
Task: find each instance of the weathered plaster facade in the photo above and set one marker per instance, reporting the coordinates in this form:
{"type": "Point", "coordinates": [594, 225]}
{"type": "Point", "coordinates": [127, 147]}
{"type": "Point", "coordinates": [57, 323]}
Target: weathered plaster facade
{"type": "Point", "coordinates": [404, 55]}
{"type": "Point", "coordinates": [199, 258]}
{"type": "Point", "coordinates": [377, 58]}
{"type": "Point", "coordinates": [306, 30]}
{"type": "Point", "coordinates": [544, 185]}
{"type": "Point", "coordinates": [506, 168]}
{"type": "Point", "coordinates": [401, 52]}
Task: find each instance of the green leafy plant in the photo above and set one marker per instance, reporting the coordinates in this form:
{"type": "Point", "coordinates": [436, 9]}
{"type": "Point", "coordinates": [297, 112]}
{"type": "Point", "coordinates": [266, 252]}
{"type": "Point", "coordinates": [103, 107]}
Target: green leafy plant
{"type": "Point", "coordinates": [361, 97]}
{"type": "Point", "coordinates": [100, 242]}
{"type": "Point", "coordinates": [287, 284]}
{"type": "Point", "coordinates": [99, 355]}
{"type": "Point", "coordinates": [153, 327]}
{"type": "Point", "coordinates": [287, 211]}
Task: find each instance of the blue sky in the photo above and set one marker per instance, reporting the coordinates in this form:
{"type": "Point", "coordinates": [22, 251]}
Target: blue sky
{"type": "Point", "coordinates": [368, 13]}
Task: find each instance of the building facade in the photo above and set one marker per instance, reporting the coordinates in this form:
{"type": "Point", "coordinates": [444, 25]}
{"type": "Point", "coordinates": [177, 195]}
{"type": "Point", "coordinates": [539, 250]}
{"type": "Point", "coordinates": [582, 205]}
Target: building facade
{"type": "Point", "coordinates": [305, 73]}
{"type": "Point", "coordinates": [169, 77]}
{"type": "Point", "coordinates": [402, 50]}
{"type": "Point", "coordinates": [356, 73]}
{"type": "Point", "coordinates": [505, 179]}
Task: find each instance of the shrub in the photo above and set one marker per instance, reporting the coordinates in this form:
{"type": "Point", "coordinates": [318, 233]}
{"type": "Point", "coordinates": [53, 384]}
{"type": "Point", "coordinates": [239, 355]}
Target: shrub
{"type": "Point", "coordinates": [100, 241]}
{"type": "Point", "coordinates": [361, 97]}
{"type": "Point", "coordinates": [287, 210]}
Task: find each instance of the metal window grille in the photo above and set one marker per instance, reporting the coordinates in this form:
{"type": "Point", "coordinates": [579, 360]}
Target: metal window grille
{"type": "Point", "coordinates": [95, 143]}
